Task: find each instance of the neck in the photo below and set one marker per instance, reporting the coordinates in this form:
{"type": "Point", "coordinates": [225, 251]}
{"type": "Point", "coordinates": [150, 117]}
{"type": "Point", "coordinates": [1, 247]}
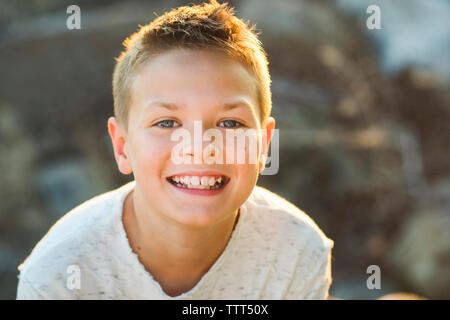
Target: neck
{"type": "Point", "coordinates": [169, 249]}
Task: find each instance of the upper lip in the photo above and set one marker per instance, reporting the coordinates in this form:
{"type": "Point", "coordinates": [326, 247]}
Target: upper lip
{"type": "Point", "coordinates": [199, 174]}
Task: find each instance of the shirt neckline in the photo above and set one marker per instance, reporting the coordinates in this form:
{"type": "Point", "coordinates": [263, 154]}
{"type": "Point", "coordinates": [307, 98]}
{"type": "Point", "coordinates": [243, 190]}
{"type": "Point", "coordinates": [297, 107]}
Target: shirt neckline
{"type": "Point", "coordinates": [133, 257]}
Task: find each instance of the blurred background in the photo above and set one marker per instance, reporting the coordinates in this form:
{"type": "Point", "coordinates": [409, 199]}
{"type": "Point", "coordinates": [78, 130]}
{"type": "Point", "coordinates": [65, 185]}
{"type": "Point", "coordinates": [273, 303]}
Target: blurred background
{"type": "Point", "coordinates": [364, 119]}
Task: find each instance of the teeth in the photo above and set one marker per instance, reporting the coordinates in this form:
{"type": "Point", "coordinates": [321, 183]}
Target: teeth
{"type": "Point", "coordinates": [196, 182]}
{"type": "Point", "coordinates": [204, 181]}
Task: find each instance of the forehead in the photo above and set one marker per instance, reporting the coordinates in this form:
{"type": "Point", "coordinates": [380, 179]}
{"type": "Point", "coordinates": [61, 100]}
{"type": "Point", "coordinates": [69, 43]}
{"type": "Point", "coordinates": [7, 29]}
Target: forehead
{"type": "Point", "coordinates": [193, 76]}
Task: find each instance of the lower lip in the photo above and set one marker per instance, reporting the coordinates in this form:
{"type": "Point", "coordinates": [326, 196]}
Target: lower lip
{"type": "Point", "coordinates": [199, 192]}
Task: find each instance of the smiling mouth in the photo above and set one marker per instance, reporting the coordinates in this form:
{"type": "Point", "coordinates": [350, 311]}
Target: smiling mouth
{"type": "Point", "coordinates": [199, 183]}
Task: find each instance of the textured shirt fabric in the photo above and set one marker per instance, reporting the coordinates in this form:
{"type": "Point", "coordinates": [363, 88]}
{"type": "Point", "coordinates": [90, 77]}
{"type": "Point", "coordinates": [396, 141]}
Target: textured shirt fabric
{"type": "Point", "coordinates": [275, 251]}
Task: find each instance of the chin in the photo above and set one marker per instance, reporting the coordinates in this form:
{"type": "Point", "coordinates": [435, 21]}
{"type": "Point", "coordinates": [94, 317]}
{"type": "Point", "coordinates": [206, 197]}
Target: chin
{"type": "Point", "coordinates": [199, 217]}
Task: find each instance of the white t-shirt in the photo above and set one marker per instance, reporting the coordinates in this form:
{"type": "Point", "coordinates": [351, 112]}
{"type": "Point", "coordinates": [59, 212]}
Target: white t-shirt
{"type": "Point", "coordinates": [275, 252]}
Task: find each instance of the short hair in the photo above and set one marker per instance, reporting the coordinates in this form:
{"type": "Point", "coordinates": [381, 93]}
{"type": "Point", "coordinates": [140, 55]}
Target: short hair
{"type": "Point", "coordinates": [207, 26]}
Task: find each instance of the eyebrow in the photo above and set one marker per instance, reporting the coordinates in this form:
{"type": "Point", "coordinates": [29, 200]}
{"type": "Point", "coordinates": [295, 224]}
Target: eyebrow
{"type": "Point", "coordinates": [226, 106]}
{"type": "Point", "coordinates": [169, 106]}
{"type": "Point", "coordinates": [237, 104]}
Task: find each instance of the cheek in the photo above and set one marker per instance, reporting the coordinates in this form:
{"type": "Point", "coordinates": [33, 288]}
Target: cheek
{"type": "Point", "coordinates": [242, 151]}
{"type": "Point", "coordinates": [151, 152]}
{"type": "Point", "coordinates": [245, 180]}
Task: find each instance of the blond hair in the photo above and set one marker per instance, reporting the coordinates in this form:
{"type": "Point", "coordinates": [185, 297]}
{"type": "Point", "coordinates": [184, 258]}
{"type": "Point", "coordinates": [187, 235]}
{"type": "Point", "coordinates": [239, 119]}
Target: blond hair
{"type": "Point", "coordinates": [208, 26]}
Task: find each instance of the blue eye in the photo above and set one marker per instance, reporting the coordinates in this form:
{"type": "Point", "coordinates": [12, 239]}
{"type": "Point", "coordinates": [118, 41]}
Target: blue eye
{"type": "Point", "coordinates": [229, 124]}
{"type": "Point", "coordinates": [166, 124]}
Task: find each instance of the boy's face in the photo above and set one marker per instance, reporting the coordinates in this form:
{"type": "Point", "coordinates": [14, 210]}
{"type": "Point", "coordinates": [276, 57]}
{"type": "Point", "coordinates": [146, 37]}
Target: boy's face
{"type": "Point", "coordinates": [198, 83]}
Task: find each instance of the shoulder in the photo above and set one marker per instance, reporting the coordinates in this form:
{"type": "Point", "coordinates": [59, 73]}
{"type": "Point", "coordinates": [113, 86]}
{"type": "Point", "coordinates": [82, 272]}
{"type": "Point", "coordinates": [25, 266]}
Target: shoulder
{"type": "Point", "coordinates": [297, 250]}
{"type": "Point", "coordinates": [271, 211]}
{"type": "Point", "coordinates": [75, 241]}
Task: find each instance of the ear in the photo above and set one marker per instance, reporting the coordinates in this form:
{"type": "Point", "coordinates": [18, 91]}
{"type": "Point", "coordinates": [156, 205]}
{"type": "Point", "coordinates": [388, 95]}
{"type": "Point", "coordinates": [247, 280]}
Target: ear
{"type": "Point", "coordinates": [267, 130]}
{"type": "Point", "coordinates": [119, 142]}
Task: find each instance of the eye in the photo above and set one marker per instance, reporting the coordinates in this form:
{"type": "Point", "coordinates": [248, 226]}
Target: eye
{"type": "Point", "coordinates": [166, 124]}
{"type": "Point", "coordinates": [230, 124]}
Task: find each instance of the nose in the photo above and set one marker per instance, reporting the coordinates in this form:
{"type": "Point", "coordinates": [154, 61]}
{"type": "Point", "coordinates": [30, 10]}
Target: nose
{"type": "Point", "coordinates": [198, 151]}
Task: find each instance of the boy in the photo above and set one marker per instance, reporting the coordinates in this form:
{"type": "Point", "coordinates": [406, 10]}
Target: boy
{"type": "Point", "coordinates": [185, 230]}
